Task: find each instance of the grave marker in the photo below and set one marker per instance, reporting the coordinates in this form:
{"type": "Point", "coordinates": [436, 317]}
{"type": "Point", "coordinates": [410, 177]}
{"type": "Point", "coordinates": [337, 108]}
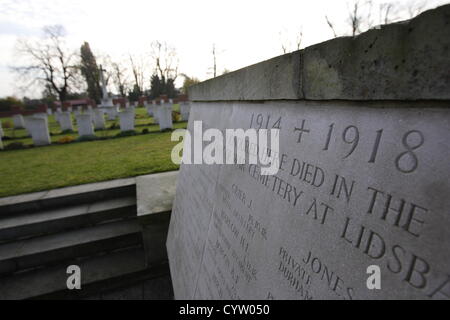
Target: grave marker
{"type": "Point", "coordinates": [18, 121]}
{"type": "Point", "coordinates": [84, 123]}
{"type": "Point", "coordinates": [65, 121]}
{"type": "Point", "coordinates": [38, 130]}
{"type": "Point", "coordinates": [99, 120]}
{"type": "Point", "coordinates": [126, 118]}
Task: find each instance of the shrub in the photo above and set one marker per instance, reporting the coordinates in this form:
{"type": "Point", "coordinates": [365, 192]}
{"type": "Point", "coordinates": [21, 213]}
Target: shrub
{"type": "Point", "coordinates": [66, 139]}
{"type": "Point", "coordinates": [176, 116]}
{"type": "Point", "coordinates": [7, 125]}
{"type": "Point", "coordinates": [126, 134]}
{"type": "Point", "coordinates": [113, 126]}
{"type": "Point", "coordinates": [15, 146]}
{"type": "Point", "coordinates": [87, 138]}
{"type": "Point", "coordinates": [145, 131]}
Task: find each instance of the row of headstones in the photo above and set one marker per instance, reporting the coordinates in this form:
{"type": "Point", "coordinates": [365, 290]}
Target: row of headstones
{"type": "Point", "coordinates": [37, 125]}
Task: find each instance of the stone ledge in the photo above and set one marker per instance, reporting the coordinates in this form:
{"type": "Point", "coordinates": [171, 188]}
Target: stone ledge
{"type": "Point", "coordinates": [409, 60]}
{"type": "Point", "coordinates": [155, 193]}
{"type": "Point", "coordinates": [277, 78]}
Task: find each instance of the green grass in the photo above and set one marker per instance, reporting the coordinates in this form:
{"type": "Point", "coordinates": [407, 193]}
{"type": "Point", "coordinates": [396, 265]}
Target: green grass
{"type": "Point", "coordinates": [57, 166]}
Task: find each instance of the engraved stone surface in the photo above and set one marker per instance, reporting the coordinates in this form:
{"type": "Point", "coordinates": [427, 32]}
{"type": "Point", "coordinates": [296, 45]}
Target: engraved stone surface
{"type": "Point", "coordinates": [360, 184]}
{"type": "Point", "coordinates": [363, 178]}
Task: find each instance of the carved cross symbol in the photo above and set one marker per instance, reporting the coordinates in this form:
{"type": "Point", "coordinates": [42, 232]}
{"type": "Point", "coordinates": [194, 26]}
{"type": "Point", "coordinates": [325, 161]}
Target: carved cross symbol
{"type": "Point", "coordinates": [301, 131]}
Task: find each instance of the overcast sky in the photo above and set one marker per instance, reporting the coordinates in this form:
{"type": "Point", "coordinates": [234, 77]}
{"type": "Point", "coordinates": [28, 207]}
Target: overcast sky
{"type": "Point", "coordinates": [244, 31]}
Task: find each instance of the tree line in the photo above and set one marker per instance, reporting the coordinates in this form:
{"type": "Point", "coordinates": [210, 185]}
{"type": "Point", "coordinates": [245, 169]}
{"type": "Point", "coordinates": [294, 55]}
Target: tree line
{"type": "Point", "coordinates": [65, 74]}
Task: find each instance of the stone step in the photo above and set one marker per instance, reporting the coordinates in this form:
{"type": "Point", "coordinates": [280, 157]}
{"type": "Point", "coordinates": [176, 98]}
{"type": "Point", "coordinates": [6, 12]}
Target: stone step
{"type": "Point", "coordinates": [50, 249]}
{"type": "Point", "coordinates": [96, 272]}
{"type": "Point", "coordinates": [27, 225]}
{"type": "Point", "coordinates": [70, 196]}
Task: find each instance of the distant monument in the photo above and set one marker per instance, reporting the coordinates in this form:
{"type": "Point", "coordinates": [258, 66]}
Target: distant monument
{"type": "Point", "coordinates": [107, 105]}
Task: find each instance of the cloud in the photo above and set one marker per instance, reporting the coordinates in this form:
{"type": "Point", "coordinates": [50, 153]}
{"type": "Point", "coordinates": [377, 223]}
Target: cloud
{"type": "Point", "coordinates": [15, 29]}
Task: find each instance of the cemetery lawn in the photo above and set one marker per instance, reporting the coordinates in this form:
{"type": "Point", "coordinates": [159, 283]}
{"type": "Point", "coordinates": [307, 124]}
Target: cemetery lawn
{"type": "Point", "coordinates": [57, 166]}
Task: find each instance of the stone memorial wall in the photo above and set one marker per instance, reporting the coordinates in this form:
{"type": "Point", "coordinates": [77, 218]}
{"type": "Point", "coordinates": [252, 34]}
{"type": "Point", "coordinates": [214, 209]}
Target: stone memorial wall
{"type": "Point", "coordinates": [363, 180]}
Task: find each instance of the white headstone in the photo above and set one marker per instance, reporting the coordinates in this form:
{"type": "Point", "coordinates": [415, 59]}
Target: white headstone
{"type": "Point", "coordinates": [40, 115]}
{"type": "Point", "coordinates": [77, 111]}
{"type": "Point", "coordinates": [38, 129]}
{"type": "Point", "coordinates": [99, 120]}
{"type": "Point", "coordinates": [90, 112]}
{"type": "Point", "coordinates": [65, 121]}
{"type": "Point", "coordinates": [165, 117]}
{"type": "Point", "coordinates": [126, 118]}
{"type": "Point", "coordinates": [70, 109]}
{"type": "Point", "coordinates": [1, 143]}
{"type": "Point", "coordinates": [2, 134]}
{"type": "Point", "coordinates": [112, 112]}
{"type": "Point", "coordinates": [18, 121]}
{"type": "Point", "coordinates": [150, 109]}
{"type": "Point", "coordinates": [84, 123]}
{"type": "Point", "coordinates": [57, 115]}
{"type": "Point", "coordinates": [49, 111]}
{"type": "Point", "coordinates": [156, 111]}
{"type": "Point", "coordinates": [185, 109]}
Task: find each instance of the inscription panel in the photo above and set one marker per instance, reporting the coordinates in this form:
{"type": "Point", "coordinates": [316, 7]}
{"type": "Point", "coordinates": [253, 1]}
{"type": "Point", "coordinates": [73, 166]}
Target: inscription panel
{"type": "Point", "coordinates": [357, 186]}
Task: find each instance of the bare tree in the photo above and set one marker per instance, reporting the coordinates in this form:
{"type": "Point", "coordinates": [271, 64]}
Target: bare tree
{"type": "Point", "coordinates": [415, 7]}
{"type": "Point", "coordinates": [286, 43]}
{"type": "Point", "coordinates": [215, 60]}
{"type": "Point", "coordinates": [362, 16]}
{"type": "Point", "coordinates": [165, 60]}
{"type": "Point", "coordinates": [215, 54]}
{"type": "Point", "coordinates": [385, 13]}
{"type": "Point", "coordinates": [138, 71]}
{"type": "Point", "coordinates": [49, 63]}
{"type": "Point", "coordinates": [299, 39]}
{"type": "Point", "coordinates": [120, 79]}
{"type": "Point", "coordinates": [356, 18]}
{"type": "Point", "coordinates": [331, 25]}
